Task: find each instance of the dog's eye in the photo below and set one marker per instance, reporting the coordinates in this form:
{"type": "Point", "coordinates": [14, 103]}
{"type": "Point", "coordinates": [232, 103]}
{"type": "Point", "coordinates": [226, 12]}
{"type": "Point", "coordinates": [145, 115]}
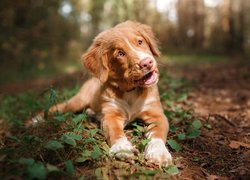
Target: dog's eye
{"type": "Point", "coordinates": [121, 53]}
{"type": "Point", "coordinates": [140, 42]}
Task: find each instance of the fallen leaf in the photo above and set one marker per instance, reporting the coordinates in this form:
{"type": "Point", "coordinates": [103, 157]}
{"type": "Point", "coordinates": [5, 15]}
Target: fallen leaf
{"type": "Point", "coordinates": [214, 177]}
{"type": "Point", "coordinates": [237, 144]}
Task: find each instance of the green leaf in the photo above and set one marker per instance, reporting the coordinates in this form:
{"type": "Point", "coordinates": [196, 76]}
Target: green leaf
{"type": "Point", "coordinates": [69, 167]}
{"type": "Point", "coordinates": [138, 127]}
{"type": "Point", "coordinates": [61, 117]}
{"type": "Point", "coordinates": [37, 171]}
{"type": "Point", "coordinates": [174, 145]}
{"type": "Point", "coordinates": [26, 161]}
{"type": "Point", "coordinates": [196, 159]}
{"type": "Point", "coordinates": [30, 138]}
{"type": "Point", "coordinates": [172, 169]}
{"type": "Point", "coordinates": [98, 173]}
{"type": "Point", "coordinates": [84, 156]}
{"type": "Point", "coordinates": [149, 172]}
{"type": "Point", "coordinates": [105, 148]}
{"type": "Point", "coordinates": [169, 114]}
{"type": "Point", "coordinates": [92, 132]}
{"type": "Point", "coordinates": [196, 124]}
{"type": "Point", "coordinates": [181, 136]}
{"type": "Point", "coordinates": [207, 125]}
{"type": "Point", "coordinates": [193, 133]}
{"type": "Point", "coordinates": [53, 96]}
{"type": "Point", "coordinates": [182, 97]}
{"type": "Point", "coordinates": [89, 140]}
{"type": "Point", "coordinates": [74, 136]}
{"type": "Point", "coordinates": [173, 128]}
{"type": "Point", "coordinates": [53, 145]}
{"type": "Point", "coordinates": [96, 153]}
{"type": "Point", "coordinates": [68, 140]}
{"type": "Point", "coordinates": [79, 118]}
{"type": "Point", "coordinates": [52, 168]}
{"type": "Point", "coordinates": [145, 141]}
{"type": "Point", "coordinates": [142, 144]}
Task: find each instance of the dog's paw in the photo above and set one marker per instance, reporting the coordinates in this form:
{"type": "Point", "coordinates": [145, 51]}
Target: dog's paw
{"type": "Point", "coordinates": [39, 118]}
{"type": "Point", "coordinates": [122, 148]}
{"type": "Point", "coordinates": [157, 153]}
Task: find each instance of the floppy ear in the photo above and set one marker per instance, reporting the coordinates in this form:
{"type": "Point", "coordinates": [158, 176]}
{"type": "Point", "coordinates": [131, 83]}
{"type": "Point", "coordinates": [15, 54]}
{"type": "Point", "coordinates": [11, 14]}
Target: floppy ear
{"type": "Point", "coordinates": [96, 61]}
{"type": "Point", "coordinates": [148, 35]}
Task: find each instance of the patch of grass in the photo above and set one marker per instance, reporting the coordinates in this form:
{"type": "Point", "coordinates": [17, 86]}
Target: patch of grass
{"type": "Point", "coordinates": [71, 146]}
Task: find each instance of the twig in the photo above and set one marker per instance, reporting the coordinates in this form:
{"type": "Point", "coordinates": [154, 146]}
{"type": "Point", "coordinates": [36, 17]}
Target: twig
{"type": "Point", "coordinates": [223, 118]}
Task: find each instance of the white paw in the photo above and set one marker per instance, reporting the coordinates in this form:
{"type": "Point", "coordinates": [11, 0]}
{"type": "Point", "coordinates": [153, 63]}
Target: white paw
{"type": "Point", "coordinates": [122, 148]}
{"type": "Point", "coordinates": [34, 121]}
{"type": "Point", "coordinates": [37, 119]}
{"type": "Point", "coordinates": [90, 112]}
{"type": "Point", "coordinates": [156, 152]}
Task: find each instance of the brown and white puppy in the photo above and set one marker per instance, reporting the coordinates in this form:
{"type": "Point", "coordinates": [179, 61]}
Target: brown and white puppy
{"type": "Point", "coordinates": [124, 87]}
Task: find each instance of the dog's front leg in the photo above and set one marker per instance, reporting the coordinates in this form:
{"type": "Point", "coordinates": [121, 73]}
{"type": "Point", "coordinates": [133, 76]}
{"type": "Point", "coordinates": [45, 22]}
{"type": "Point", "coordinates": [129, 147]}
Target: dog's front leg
{"type": "Point", "coordinates": [156, 151]}
{"type": "Point", "coordinates": [113, 124]}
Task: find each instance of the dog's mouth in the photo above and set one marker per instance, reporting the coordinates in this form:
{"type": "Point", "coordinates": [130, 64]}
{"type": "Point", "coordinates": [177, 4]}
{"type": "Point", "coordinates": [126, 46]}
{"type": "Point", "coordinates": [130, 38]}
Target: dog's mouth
{"type": "Point", "coordinates": [148, 79]}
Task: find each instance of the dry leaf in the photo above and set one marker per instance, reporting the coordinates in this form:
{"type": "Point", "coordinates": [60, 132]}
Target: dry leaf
{"type": "Point", "coordinates": [237, 144]}
{"type": "Point", "coordinates": [214, 177]}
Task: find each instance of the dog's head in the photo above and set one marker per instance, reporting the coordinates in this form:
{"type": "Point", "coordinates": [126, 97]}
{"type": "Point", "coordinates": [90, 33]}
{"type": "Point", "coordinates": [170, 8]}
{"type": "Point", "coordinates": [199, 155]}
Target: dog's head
{"type": "Point", "coordinates": [124, 56]}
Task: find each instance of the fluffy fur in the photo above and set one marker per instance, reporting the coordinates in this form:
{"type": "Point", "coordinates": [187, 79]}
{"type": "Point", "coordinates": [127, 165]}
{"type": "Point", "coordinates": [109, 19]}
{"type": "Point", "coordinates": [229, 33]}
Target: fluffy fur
{"type": "Point", "coordinates": [124, 87]}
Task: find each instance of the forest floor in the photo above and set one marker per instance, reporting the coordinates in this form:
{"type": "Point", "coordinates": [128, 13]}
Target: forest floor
{"type": "Point", "coordinates": [217, 95]}
{"type": "Point", "coordinates": [221, 97]}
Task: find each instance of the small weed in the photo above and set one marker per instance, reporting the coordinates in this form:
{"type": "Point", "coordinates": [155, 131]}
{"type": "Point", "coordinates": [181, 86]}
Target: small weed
{"type": "Point", "coordinates": [183, 123]}
{"type": "Point", "coordinates": [139, 132]}
{"type": "Point", "coordinates": [33, 169]}
{"type": "Point", "coordinates": [174, 145]}
{"type": "Point", "coordinates": [172, 170]}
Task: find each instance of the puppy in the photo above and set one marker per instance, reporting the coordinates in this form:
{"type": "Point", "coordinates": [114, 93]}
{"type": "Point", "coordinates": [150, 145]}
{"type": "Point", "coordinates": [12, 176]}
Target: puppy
{"type": "Point", "coordinates": [123, 88]}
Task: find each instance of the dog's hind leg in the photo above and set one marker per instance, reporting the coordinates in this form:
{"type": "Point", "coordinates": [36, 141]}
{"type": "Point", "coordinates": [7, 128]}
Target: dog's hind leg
{"type": "Point", "coordinates": [83, 99]}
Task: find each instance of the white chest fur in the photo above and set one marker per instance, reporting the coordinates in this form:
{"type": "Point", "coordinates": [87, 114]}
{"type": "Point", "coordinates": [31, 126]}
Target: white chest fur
{"type": "Point", "coordinates": [131, 104]}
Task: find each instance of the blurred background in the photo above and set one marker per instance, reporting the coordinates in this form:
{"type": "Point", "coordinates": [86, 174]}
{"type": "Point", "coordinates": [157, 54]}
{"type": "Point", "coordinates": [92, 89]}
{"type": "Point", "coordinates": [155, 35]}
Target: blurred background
{"type": "Point", "coordinates": [46, 37]}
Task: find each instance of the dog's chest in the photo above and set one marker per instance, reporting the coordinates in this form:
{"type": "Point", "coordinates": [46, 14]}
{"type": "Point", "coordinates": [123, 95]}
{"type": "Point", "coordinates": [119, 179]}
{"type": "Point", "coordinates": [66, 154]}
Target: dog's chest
{"type": "Point", "coordinates": [133, 104]}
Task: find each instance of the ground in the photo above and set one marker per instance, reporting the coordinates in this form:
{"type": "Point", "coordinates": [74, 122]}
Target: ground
{"type": "Point", "coordinates": [215, 94]}
{"type": "Point", "coordinates": [221, 98]}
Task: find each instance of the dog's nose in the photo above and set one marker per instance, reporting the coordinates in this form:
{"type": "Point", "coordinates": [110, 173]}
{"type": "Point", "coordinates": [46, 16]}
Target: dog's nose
{"type": "Point", "coordinates": [146, 64]}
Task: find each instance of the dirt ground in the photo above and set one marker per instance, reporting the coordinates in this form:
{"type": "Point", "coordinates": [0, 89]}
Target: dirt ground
{"type": "Point", "coordinates": [221, 99]}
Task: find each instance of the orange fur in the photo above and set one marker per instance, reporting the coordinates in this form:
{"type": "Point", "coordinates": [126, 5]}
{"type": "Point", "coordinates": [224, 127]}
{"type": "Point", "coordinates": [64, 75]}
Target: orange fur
{"type": "Point", "coordinates": [121, 89]}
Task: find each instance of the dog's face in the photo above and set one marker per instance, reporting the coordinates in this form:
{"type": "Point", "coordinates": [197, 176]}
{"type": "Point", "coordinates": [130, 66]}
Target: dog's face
{"type": "Point", "coordinates": [124, 56]}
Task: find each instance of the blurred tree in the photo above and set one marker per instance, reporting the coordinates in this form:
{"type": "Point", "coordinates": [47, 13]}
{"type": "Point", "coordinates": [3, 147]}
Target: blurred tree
{"type": "Point", "coordinates": [96, 12]}
{"type": "Point", "coordinates": [229, 30]}
{"type": "Point", "coordinates": [236, 32]}
{"type": "Point", "coordinates": [191, 15]}
{"type": "Point", "coordinates": [34, 32]}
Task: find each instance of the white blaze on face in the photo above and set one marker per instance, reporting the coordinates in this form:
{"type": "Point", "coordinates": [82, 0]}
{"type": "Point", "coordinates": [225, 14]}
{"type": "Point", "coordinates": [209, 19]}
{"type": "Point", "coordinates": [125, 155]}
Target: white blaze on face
{"type": "Point", "coordinates": [140, 54]}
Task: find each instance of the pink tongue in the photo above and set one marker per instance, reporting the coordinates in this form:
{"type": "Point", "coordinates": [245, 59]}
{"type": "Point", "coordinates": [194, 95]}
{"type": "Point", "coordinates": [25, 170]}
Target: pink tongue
{"type": "Point", "coordinates": [151, 79]}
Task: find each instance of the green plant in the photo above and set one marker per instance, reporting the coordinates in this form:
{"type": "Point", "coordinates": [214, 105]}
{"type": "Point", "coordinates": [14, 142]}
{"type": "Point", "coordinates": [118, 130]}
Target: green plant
{"type": "Point", "coordinates": [66, 142]}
